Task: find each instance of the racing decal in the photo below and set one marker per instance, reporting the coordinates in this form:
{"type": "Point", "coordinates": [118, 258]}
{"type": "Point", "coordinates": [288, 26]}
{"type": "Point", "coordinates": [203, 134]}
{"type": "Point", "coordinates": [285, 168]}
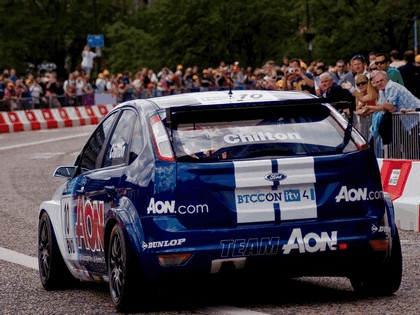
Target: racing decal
{"type": "Point", "coordinates": [357, 194]}
{"type": "Point", "coordinates": [160, 244]}
{"type": "Point", "coordinates": [260, 137]}
{"type": "Point", "coordinates": [235, 97]}
{"type": "Point", "coordinates": [168, 207]}
{"type": "Point", "coordinates": [68, 227]}
{"type": "Point", "coordinates": [309, 243]}
{"type": "Point", "coordinates": [90, 224]}
{"type": "Point", "coordinates": [290, 196]}
{"type": "Point", "coordinates": [381, 228]}
{"type": "Point", "coordinates": [250, 247]}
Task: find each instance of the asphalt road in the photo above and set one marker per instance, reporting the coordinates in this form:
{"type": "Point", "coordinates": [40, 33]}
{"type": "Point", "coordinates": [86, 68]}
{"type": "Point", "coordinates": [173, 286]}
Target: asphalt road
{"type": "Point", "coordinates": [28, 160]}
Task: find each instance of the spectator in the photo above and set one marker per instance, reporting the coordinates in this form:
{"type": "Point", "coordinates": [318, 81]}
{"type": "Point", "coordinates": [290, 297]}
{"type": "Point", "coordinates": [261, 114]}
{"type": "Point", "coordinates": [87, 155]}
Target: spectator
{"type": "Point", "coordinates": [22, 94]}
{"type": "Point", "coordinates": [286, 63]}
{"type": "Point", "coordinates": [332, 91]}
{"type": "Point", "coordinates": [365, 94]}
{"type": "Point", "coordinates": [357, 66]}
{"type": "Point", "coordinates": [417, 60]}
{"type": "Point", "coordinates": [112, 85]}
{"type": "Point", "coordinates": [52, 90]}
{"type": "Point", "coordinates": [2, 86]}
{"type": "Point", "coordinates": [372, 56]}
{"type": "Point", "coordinates": [69, 81]}
{"type": "Point", "coordinates": [269, 69]}
{"type": "Point", "coordinates": [10, 101]}
{"type": "Point", "coordinates": [138, 83]}
{"type": "Point", "coordinates": [296, 78]}
{"type": "Point", "coordinates": [392, 96]}
{"type": "Point", "coordinates": [206, 80]}
{"type": "Point", "coordinates": [100, 83]}
{"type": "Point", "coordinates": [36, 91]}
{"type": "Point", "coordinates": [79, 85]}
{"type": "Point", "coordinates": [395, 58]}
{"type": "Point", "coordinates": [70, 93]}
{"type": "Point", "coordinates": [372, 67]}
{"type": "Point", "coordinates": [87, 59]}
{"type": "Point", "coordinates": [319, 69]}
{"type": "Point", "coordinates": [13, 77]}
{"type": "Point", "coordinates": [382, 63]}
{"type": "Point", "coordinates": [339, 70]}
{"type": "Point", "coordinates": [411, 74]}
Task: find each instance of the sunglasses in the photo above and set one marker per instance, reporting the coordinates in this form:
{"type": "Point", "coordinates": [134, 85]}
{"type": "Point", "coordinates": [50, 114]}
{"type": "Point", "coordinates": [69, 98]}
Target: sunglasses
{"type": "Point", "coordinates": [361, 83]}
{"type": "Point", "coordinates": [380, 62]}
{"type": "Point", "coordinates": [372, 69]}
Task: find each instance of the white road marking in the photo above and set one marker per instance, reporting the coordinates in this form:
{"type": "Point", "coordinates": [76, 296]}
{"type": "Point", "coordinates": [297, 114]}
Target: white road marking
{"type": "Point", "coordinates": [44, 155]}
{"type": "Point", "coordinates": [229, 310]}
{"type": "Point", "coordinates": [32, 262]}
{"type": "Point", "coordinates": [43, 141]}
{"type": "Point", "coordinates": [18, 258]}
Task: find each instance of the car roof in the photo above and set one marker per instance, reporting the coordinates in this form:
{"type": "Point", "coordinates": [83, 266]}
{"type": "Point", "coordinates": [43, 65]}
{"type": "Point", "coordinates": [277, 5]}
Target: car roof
{"type": "Point", "coordinates": [224, 97]}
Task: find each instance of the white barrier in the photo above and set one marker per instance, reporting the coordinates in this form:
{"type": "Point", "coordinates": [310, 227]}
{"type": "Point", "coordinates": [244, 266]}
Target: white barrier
{"type": "Point", "coordinates": [49, 118]}
{"type": "Point", "coordinates": [401, 179]}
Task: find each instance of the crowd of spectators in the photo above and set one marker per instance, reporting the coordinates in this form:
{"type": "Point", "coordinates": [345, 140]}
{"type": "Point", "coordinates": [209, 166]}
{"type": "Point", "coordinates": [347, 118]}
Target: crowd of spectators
{"type": "Point", "coordinates": [44, 90]}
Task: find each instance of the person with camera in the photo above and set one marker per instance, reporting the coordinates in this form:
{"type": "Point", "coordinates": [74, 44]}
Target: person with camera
{"type": "Point", "coordinates": [296, 78]}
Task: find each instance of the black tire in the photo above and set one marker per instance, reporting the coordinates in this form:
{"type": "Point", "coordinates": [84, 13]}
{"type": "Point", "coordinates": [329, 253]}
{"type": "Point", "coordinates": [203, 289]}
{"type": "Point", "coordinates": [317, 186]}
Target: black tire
{"type": "Point", "coordinates": [385, 279]}
{"type": "Point", "coordinates": [53, 272]}
{"type": "Point", "coordinates": [122, 272]}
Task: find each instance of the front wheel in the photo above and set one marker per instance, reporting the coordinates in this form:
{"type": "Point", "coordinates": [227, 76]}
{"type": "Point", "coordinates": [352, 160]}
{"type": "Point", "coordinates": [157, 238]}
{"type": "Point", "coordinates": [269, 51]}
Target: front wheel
{"type": "Point", "coordinates": [386, 278]}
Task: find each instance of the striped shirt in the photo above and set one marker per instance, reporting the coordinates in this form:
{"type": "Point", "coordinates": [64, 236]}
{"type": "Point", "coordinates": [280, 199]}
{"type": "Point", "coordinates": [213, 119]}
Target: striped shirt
{"type": "Point", "coordinates": [399, 96]}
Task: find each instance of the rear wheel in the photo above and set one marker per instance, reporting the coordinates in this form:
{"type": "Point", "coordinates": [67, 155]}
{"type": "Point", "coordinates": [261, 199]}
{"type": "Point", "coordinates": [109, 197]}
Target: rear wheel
{"type": "Point", "coordinates": [386, 278]}
{"type": "Point", "coordinates": [124, 280]}
{"type": "Point", "coordinates": [53, 272]}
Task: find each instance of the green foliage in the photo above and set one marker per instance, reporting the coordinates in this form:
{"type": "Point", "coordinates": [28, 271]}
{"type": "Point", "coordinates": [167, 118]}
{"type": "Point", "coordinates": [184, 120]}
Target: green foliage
{"type": "Point", "coordinates": [199, 32]}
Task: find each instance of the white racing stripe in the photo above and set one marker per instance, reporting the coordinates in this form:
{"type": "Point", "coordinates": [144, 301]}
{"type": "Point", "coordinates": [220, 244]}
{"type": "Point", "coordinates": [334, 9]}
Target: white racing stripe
{"type": "Point", "coordinates": [258, 200]}
{"type": "Point", "coordinates": [43, 141]}
{"type": "Point", "coordinates": [18, 258]}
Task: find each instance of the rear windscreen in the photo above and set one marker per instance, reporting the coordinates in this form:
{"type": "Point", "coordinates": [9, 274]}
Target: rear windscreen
{"type": "Point", "coordinates": [270, 132]}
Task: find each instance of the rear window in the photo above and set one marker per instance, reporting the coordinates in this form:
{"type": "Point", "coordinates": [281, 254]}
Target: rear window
{"type": "Point", "coordinates": [270, 132]}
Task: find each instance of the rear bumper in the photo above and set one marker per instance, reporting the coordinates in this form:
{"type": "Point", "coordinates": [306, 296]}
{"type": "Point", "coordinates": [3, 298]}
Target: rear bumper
{"type": "Point", "coordinates": [304, 248]}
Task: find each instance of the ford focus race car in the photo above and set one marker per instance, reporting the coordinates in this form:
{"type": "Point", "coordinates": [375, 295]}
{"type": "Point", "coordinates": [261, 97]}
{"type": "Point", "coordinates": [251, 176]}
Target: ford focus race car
{"type": "Point", "coordinates": [250, 182]}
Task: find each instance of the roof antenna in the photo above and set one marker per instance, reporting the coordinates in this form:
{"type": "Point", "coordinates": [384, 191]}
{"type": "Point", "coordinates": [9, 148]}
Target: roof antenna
{"type": "Point", "coordinates": [229, 59]}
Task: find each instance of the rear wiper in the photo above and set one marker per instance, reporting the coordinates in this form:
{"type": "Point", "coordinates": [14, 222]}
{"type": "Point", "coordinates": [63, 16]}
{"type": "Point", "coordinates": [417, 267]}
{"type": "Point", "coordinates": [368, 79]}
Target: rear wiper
{"type": "Point", "coordinates": [347, 132]}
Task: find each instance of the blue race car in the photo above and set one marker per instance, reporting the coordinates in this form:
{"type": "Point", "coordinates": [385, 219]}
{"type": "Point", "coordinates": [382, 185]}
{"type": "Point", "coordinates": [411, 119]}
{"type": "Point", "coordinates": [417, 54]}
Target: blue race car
{"type": "Point", "coordinates": [245, 182]}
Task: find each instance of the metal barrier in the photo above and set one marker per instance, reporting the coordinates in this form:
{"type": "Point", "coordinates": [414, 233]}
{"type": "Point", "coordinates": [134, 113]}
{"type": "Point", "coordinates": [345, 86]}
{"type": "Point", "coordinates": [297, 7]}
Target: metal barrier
{"type": "Point", "coordinates": [405, 140]}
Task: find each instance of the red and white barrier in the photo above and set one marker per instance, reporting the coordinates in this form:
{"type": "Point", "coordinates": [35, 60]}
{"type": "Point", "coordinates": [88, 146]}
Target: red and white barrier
{"type": "Point", "coordinates": [401, 179]}
{"type": "Point", "coordinates": [49, 118]}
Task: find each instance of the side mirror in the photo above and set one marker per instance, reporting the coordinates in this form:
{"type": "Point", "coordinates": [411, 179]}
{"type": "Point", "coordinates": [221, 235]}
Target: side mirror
{"type": "Point", "coordinates": [65, 171]}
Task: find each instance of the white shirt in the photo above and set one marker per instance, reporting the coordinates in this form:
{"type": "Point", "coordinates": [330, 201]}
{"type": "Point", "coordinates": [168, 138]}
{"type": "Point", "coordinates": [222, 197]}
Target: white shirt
{"type": "Point", "coordinates": [87, 58]}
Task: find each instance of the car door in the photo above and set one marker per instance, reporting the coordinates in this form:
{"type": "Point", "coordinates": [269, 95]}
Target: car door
{"type": "Point", "coordinates": [94, 191]}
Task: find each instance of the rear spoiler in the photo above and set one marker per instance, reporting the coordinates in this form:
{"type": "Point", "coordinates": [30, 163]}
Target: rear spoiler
{"type": "Point", "coordinates": [178, 114]}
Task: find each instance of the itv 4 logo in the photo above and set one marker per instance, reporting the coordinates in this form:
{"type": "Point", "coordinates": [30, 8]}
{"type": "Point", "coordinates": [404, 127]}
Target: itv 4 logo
{"type": "Point", "coordinates": [297, 195]}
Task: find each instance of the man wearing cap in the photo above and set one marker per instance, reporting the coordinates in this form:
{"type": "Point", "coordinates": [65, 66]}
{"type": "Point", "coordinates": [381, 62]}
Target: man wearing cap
{"type": "Point", "coordinates": [100, 83]}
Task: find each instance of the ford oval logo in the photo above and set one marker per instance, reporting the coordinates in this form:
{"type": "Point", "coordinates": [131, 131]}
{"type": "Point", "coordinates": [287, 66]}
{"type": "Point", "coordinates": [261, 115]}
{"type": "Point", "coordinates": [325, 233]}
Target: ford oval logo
{"type": "Point", "coordinates": [275, 177]}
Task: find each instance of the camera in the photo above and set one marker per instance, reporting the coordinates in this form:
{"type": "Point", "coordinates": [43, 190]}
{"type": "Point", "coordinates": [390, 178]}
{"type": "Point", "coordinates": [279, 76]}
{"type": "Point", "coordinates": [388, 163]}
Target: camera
{"type": "Point", "coordinates": [291, 70]}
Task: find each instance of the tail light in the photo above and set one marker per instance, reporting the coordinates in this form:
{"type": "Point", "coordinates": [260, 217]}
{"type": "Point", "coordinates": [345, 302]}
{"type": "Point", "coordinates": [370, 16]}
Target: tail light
{"type": "Point", "coordinates": [161, 140]}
